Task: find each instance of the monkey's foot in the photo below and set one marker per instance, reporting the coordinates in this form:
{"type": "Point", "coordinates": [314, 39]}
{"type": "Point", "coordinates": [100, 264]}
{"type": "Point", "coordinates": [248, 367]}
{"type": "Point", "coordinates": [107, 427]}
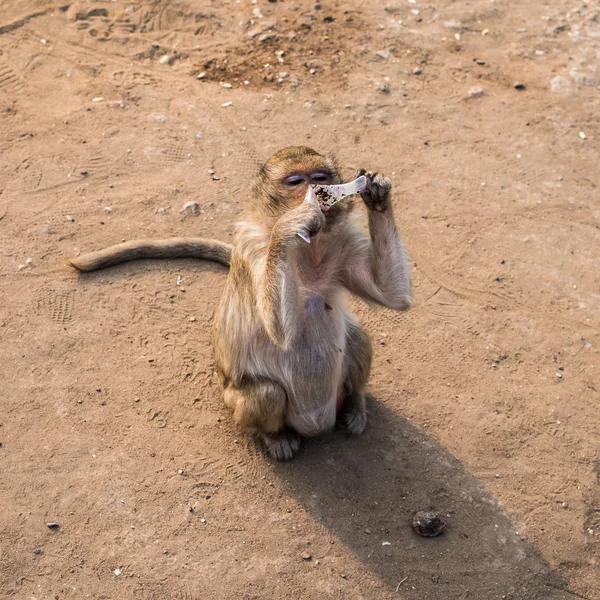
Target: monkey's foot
{"type": "Point", "coordinates": [282, 445]}
{"type": "Point", "coordinates": [353, 414]}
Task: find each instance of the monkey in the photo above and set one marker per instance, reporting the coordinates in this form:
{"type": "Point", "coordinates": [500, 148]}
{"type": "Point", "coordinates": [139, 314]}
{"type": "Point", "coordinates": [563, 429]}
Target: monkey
{"type": "Point", "coordinates": [292, 360]}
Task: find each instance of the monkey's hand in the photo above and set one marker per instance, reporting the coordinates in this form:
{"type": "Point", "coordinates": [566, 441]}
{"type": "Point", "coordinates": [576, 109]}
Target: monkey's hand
{"type": "Point", "coordinates": [306, 219]}
{"type": "Point", "coordinates": [378, 193]}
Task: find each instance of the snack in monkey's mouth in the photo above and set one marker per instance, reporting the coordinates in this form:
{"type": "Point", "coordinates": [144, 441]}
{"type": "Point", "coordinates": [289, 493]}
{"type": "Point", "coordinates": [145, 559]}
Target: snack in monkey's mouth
{"type": "Point", "coordinates": [328, 195]}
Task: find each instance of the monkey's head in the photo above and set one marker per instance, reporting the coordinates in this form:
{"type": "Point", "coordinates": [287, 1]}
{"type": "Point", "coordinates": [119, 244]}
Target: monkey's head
{"type": "Point", "coordinates": [284, 179]}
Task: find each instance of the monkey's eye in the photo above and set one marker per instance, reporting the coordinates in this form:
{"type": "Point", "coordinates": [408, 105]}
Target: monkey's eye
{"type": "Point", "coordinates": [320, 177]}
{"type": "Point", "coordinates": [294, 180]}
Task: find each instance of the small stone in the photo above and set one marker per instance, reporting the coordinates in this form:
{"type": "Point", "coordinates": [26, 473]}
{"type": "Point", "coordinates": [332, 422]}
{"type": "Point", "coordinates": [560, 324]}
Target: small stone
{"type": "Point", "coordinates": [417, 71]}
{"type": "Point", "coordinates": [368, 531]}
{"type": "Point", "coordinates": [519, 85]}
{"type": "Point", "coordinates": [384, 88]}
{"type": "Point", "coordinates": [165, 60]}
{"type": "Point", "coordinates": [120, 104]}
{"type": "Point", "coordinates": [29, 262]}
{"type": "Point", "coordinates": [107, 210]}
{"type": "Point", "coordinates": [305, 555]}
{"type": "Point", "coordinates": [386, 543]}
{"type": "Point", "coordinates": [83, 171]}
{"type": "Point", "coordinates": [265, 37]}
{"type": "Point", "coordinates": [181, 472]}
{"type": "Point", "coordinates": [155, 45]}
{"type": "Point", "coordinates": [226, 85]}
{"type": "Point", "coordinates": [190, 208]}
{"type": "Point", "coordinates": [559, 375]}
{"type": "Point", "coordinates": [70, 218]}
{"type": "Point", "coordinates": [428, 524]}
{"type": "Point", "coordinates": [476, 92]}
{"type": "Point", "coordinates": [582, 135]}
{"type": "Point", "coordinates": [38, 551]}
{"type": "Point", "coordinates": [117, 572]}
{"type": "Point", "coordinates": [226, 104]}
{"type": "Point", "coordinates": [98, 99]}
{"type": "Point", "coordinates": [560, 85]}
{"type": "Point", "coordinates": [193, 319]}
{"type": "Point", "coordinates": [53, 525]}
{"type": "Point", "coordinates": [382, 54]}
{"type": "Point", "coordinates": [201, 75]}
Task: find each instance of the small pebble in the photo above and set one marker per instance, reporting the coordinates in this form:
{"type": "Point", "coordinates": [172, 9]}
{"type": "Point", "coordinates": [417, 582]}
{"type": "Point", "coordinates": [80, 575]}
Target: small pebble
{"type": "Point", "coordinates": [181, 472]}
{"type": "Point", "coordinates": [226, 104]}
{"type": "Point", "coordinates": [83, 172]}
{"type": "Point", "coordinates": [386, 543]}
{"type": "Point", "coordinates": [417, 71]}
{"type": "Point", "coordinates": [193, 319]}
{"type": "Point", "coordinates": [226, 85]}
{"type": "Point", "coordinates": [98, 99]}
{"type": "Point", "coordinates": [190, 208]}
{"type": "Point", "coordinates": [519, 85]}
{"type": "Point", "coordinates": [29, 262]}
{"type": "Point", "coordinates": [120, 104]}
{"type": "Point", "coordinates": [384, 88]}
{"type": "Point", "coordinates": [53, 525]}
{"type": "Point", "coordinates": [155, 45]}
{"type": "Point", "coordinates": [107, 210]}
{"type": "Point", "coordinates": [117, 572]}
{"type": "Point", "coordinates": [476, 92]}
{"type": "Point", "coordinates": [305, 555]}
{"type": "Point", "coordinates": [265, 37]}
{"type": "Point", "coordinates": [201, 75]}
{"type": "Point", "coordinates": [70, 218]}
{"type": "Point", "coordinates": [165, 60]}
{"type": "Point", "coordinates": [582, 135]}
{"type": "Point", "coordinates": [428, 524]}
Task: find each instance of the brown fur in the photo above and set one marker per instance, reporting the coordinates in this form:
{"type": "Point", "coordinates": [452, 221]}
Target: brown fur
{"type": "Point", "coordinates": [285, 344]}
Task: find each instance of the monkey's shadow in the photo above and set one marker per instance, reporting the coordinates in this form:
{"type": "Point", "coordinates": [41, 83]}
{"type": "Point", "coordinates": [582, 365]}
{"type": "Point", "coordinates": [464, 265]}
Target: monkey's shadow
{"type": "Point", "coordinates": [366, 489]}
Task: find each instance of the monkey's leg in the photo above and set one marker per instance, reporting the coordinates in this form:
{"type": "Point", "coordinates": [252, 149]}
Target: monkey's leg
{"type": "Point", "coordinates": [353, 413]}
{"type": "Point", "coordinates": [259, 406]}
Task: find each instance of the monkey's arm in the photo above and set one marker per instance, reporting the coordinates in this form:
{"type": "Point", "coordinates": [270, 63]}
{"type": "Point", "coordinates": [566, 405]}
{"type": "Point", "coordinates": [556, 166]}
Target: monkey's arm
{"type": "Point", "coordinates": [278, 293]}
{"type": "Point", "coordinates": [378, 271]}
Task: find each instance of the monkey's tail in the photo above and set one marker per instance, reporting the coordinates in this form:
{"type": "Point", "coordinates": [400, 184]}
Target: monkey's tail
{"type": "Point", "coordinates": [172, 248]}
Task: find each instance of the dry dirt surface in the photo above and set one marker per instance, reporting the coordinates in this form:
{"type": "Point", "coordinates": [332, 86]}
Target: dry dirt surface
{"type": "Point", "coordinates": [486, 396]}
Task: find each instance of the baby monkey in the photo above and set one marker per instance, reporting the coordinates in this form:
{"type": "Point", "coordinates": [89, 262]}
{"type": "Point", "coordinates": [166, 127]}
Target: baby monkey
{"type": "Point", "coordinates": [292, 360]}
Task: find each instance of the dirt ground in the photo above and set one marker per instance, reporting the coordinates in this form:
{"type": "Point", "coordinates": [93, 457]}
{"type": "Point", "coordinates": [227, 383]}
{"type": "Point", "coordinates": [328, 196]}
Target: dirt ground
{"type": "Point", "coordinates": [485, 395]}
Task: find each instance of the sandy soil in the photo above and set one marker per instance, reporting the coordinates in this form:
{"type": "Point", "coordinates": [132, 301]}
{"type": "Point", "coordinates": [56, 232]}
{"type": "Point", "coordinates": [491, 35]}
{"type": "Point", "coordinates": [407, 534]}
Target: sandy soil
{"type": "Point", "coordinates": [486, 393]}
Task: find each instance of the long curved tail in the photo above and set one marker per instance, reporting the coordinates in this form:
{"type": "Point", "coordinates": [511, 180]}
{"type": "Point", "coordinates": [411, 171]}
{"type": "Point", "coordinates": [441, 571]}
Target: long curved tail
{"type": "Point", "coordinates": [172, 248]}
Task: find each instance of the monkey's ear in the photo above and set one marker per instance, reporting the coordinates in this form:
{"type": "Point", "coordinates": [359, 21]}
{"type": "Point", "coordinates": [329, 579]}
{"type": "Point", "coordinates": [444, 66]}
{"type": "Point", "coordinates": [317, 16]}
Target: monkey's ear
{"type": "Point", "coordinates": [333, 161]}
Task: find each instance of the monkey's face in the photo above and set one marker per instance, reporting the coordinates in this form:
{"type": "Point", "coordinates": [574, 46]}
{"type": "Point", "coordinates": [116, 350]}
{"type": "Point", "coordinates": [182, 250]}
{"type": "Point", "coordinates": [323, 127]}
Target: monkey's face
{"type": "Point", "coordinates": [286, 176]}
